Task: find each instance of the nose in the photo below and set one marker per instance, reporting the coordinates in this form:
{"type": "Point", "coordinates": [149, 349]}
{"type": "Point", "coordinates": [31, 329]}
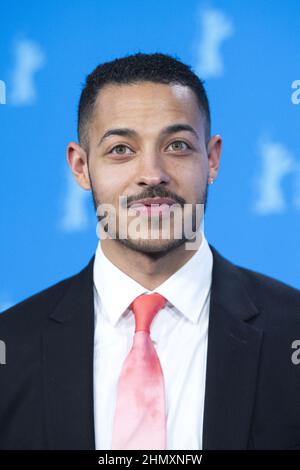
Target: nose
{"type": "Point", "coordinates": [151, 171]}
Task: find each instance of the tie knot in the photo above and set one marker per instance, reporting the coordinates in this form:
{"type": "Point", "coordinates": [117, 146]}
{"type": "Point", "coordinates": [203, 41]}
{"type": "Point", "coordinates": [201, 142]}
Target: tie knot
{"type": "Point", "coordinates": [145, 307]}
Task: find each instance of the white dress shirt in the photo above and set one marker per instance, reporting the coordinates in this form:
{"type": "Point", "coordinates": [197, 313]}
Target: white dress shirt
{"type": "Point", "coordinates": [179, 332]}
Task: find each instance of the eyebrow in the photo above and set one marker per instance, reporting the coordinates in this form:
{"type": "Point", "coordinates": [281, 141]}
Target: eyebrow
{"type": "Point", "coordinates": [127, 132]}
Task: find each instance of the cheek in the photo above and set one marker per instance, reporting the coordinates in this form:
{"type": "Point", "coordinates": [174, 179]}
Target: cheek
{"type": "Point", "coordinates": [108, 184]}
{"type": "Point", "coordinates": [192, 180]}
{"type": "Point", "coordinates": [200, 175]}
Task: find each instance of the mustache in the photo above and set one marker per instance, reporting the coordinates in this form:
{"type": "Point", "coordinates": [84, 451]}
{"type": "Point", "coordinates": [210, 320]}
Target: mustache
{"type": "Point", "coordinates": [156, 191]}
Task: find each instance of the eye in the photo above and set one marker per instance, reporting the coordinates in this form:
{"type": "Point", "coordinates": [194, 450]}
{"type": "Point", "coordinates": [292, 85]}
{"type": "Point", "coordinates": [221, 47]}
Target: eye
{"type": "Point", "coordinates": [177, 145]}
{"type": "Point", "coordinates": [121, 147]}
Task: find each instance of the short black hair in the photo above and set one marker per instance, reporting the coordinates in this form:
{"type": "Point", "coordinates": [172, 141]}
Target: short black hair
{"type": "Point", "coordinates": [135, 68]}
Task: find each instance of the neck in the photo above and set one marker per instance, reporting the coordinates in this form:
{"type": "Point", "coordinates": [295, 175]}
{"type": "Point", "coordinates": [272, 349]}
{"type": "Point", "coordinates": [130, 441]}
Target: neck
{"type": "Point", "coordinates": [148, 270]}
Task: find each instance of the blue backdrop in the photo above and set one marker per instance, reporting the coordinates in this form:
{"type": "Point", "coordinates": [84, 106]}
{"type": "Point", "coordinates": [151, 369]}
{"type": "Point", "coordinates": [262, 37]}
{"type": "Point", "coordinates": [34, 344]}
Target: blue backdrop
{"type": "Point", "coordinates": [249, 55]}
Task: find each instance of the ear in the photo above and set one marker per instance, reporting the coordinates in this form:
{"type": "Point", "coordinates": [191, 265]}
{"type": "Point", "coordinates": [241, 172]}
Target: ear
{"type": "Point", "coordinates": [78, 162]}
{"type": "Point", "coordinates": [214, 148]}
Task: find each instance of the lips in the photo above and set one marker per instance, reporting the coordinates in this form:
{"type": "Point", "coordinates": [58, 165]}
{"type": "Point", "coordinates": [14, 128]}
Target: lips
{"type": "Point", "coordinates": [151, 201]}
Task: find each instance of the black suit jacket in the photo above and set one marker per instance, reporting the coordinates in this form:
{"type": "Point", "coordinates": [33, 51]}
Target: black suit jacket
{"type": "Point", "coordinates": [252, 397]}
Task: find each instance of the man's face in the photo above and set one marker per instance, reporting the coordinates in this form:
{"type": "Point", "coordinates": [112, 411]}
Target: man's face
{"type": "Point", "coordinates": [148, 162]}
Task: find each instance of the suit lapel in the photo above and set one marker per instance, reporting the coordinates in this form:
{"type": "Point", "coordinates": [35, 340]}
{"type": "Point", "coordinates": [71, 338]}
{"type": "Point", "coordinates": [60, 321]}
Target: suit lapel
{"type": "Point", "coordinates": [68, 344]}
{"type": "Point", "coordinates": [232, 360]}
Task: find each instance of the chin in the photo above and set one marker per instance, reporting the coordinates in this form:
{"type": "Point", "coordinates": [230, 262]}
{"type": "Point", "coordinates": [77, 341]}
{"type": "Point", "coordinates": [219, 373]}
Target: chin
{"type": "Point", "coordinates": [161, 247]}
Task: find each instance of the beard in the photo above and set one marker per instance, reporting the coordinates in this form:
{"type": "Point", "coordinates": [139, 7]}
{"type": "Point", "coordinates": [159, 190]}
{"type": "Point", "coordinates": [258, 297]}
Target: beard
{"type": "Point", "coordinates": [156, 248]}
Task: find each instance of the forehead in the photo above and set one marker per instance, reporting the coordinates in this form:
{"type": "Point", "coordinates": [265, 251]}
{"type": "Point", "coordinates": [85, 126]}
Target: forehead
{"type": "Point", "coordinates": [145, 105]}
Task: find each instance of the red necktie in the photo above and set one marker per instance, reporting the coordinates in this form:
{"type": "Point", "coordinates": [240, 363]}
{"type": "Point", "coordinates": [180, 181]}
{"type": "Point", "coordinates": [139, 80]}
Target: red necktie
{"type": "Point", "coordinates": [140, 414]}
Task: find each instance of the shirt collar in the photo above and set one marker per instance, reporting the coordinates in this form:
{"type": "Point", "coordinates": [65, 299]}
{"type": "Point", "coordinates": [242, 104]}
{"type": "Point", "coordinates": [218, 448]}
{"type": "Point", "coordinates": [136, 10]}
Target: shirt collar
{"type": "Point", "coordinates": [187, 289]}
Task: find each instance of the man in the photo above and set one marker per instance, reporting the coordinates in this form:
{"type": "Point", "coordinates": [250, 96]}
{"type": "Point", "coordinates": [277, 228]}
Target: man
{"type": "Point", "coordinates": [158, 342]}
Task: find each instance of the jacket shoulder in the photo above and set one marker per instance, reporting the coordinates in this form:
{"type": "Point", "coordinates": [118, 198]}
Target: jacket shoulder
{"type": "Point", "coordinates": [273, 297]}
{"type": "Point", "coordinates": [269, 285]}
{"type": "Point", "coordinates": [37, 307]}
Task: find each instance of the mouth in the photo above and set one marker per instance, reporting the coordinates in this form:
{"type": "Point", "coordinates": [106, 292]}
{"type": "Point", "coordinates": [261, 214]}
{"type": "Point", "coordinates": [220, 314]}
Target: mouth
{"type": "Point", "coordinates": [151, 201]}
{"type": "Point", "coordinates": [152, 206]}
